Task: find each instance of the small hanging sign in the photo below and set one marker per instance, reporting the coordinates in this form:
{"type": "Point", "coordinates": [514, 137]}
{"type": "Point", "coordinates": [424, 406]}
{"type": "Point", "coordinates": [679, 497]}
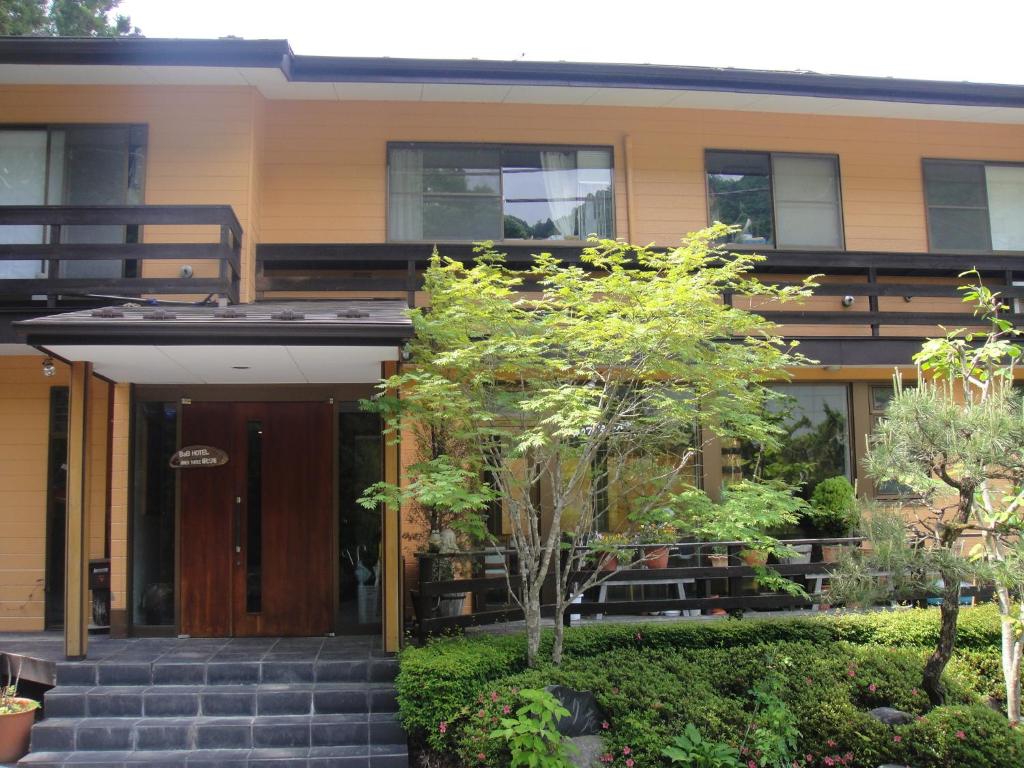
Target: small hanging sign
{"type": "Point", "coordinates": [198, 456]}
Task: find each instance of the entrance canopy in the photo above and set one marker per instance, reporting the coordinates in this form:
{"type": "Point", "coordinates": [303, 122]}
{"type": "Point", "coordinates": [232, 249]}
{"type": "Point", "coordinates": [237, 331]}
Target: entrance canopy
{"type": "Point", "coordinates": [298, 342]}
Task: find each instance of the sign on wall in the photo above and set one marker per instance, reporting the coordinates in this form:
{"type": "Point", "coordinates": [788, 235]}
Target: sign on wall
{"type": "Point", "coordinates": [198, 456]}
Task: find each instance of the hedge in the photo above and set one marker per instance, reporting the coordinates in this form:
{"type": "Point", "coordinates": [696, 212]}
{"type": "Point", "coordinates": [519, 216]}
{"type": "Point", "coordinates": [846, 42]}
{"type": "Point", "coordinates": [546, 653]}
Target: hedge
{"type": "Point", "coordinates": [654, 678]}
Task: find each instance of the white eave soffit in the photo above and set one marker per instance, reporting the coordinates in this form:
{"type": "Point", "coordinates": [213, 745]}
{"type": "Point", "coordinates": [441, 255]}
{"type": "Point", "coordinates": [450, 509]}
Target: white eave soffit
{"type": "Point", "coordinates": [272, 84]}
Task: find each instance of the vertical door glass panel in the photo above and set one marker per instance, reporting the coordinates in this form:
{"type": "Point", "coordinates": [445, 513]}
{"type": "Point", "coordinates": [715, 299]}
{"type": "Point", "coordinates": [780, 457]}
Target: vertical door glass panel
{"type": "Point", "coordinates": [22, 182]}
{"type": "Point", "coordinates": [739, 192]}
{"type": "Point", "coordinates": [815, 443]}
{"type": "Point", "coordinates": [56, 514]}
{"type": "Point", "coordinates": [254, 517]}
{"type": "Point", "coordinates": [807, 201]}
{"type": "Point", "coordinates": [155, 440]}
{"type": "Point", "coordinates": [359, 466]}
{"type": "Point", "coordinates": [95, 173]}
{"type": "Point", "coordinates": [1005, 186]}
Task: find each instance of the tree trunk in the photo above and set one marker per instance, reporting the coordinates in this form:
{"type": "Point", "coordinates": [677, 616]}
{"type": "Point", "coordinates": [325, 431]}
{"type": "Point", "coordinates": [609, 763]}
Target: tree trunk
{"type": "Point", "coordinates": [950, 610]}
{"type": "Point", "coordinates": [1013, 648]}
{"type": "Point", "coordinates": [531, 612]}
{"type": "Point", "coordinates": [559, 642]}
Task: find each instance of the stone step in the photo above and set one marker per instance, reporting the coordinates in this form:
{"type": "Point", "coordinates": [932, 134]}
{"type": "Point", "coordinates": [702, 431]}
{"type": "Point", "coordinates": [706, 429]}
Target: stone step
{"type": "Point", "coordinates": [68, 734]}
{"type": "Point", "coordinates": [377, 756]}
{"type": "Point", "coordinates": [219, 700]}
{"type": "Point", "coordinates": [182, 671]}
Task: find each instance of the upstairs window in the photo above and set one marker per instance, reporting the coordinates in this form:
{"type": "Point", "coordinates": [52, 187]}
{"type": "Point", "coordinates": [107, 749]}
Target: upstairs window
{"type": "Point", "coordinates": [777, 200]}
{"type": "Point", "coordinates": [450, 192]}
{"type": "Point", "coordinates": [974, 206]}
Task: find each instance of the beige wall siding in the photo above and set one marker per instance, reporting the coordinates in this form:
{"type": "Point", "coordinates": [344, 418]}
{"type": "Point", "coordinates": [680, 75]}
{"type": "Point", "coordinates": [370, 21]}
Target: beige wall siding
{"type": "Point", "coordinates": [324, 165]}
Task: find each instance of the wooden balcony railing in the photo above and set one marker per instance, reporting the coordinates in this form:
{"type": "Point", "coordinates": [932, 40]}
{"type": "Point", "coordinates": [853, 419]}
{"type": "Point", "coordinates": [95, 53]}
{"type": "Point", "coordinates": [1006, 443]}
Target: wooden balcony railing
{"type": "Point", "coordinates": [55, 251]}
{"type": "Point", "coordinates": [473, 588]}
{"type": "Point", "coordinates": [866, 276]}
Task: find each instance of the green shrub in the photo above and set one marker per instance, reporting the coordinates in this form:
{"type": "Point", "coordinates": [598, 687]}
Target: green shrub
{"type": "Point", "coordinates": [834, 510]}
{"type": "Point", "coordinates": [950, 737]}
{"type": "Point", "coordinates": [654, 679]}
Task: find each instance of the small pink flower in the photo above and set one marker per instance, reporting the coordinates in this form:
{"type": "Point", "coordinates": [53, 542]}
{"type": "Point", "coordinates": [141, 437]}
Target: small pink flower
{"type": "Point", "coordinates": [604, 725]}
{"type": "Point", "coordinates": [481, 756]}
{"type": "Point", "coordinates": [629, 762]}
{"type": "Point", "coordinates": [897, 738]}
{"type": "Point", "coordinates": [481, 713]}
{"type": "Point", "coordinates": [607, 757]}
{"type": "Point", "coordinates": [848, 756]}
{"type": "Point", "coordinates": [831, 742]}
{"type": "Point", "coordinates": [809, 758]}
{"type": "Point", "coordinates": [751, 764]}
{"type": "Point", "coordinates": [494, 695]}
{"type": "Point", "coordinates": [615, 690]}
{"type": "Point", "coordinates": [808, 680]}
{"type": "Point", "coordinates": [626, 751]}
{"type": "Point", "coordinates": [443, 727]}
{"type": "Point", "coordinates": [506, 709]}
{"type": "Point", "coordinates": [851, 672]}
{"type": "Point", "coordinates": [872, 687]}
{"type": "Point", "coordinates": [829, 761]}
{"type": "Point", "coordinates": [961, 735]}
{"type": "Point", "coordinates": [639, 636]}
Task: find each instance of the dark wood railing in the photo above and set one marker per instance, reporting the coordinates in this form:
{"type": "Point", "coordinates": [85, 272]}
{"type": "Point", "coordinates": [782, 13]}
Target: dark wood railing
{"type": "Point", "coordinates": [398, 267]}
{"type": "Point", "coordinates": [481, 576]}
{"type": "Point", "coordinates": [55, 251]}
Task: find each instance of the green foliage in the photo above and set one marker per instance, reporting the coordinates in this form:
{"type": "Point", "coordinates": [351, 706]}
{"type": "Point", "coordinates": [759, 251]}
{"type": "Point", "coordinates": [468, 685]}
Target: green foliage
{"type": "Point", "coordinates": [532, 735]}
{"type": "Point", "coordinates": [961, 736]}
{"type": "Point", "coordinates": [806, 698]}
{"type": "Point", "coordinates": [63, 18]}
{"type": "Point", "coordinates": [691, 749]}
{"type": "Point", "coordinates": [834, 510]}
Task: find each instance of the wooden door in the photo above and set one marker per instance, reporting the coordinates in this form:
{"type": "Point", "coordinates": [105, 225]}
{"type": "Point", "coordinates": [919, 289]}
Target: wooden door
{"type": "Point", "coordinates": [269, 518]}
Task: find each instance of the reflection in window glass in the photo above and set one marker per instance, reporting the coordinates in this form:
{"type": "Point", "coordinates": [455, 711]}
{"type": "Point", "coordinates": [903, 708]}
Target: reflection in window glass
{"type": "Point", "coordinates": [814, 443]}
{"type": "Point", "coordinates": [881, 396]}
{"type": "Point", "coordinates": [740, 194]}
{"type": "Point", "coordinates": [492, 193]}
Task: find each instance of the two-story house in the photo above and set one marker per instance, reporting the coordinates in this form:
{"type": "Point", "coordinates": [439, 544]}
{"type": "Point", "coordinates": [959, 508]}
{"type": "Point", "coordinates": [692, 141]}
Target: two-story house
{"type": "Point", "coordinates": [207, 247]}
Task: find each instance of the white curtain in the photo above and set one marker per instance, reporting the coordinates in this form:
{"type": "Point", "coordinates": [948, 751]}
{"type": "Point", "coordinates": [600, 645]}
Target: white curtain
{"type": "Point", "coordinates": [406, 210]}
{"type": "Point", "coordinates": [1005, 187]}
{"type": "Point", "coordinates": [22, 182]}
{"type": "Point", "coordinates": [561, 189]}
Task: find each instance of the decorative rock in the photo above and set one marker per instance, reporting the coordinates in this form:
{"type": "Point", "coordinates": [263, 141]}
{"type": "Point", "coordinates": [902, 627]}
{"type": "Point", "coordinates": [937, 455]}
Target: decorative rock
{"type": "Point", "coordinates": [891, 716]}
{"type": "Point", "coordinates": [590, 750]}
{"type": "Point", "coordinates": [585, 716]}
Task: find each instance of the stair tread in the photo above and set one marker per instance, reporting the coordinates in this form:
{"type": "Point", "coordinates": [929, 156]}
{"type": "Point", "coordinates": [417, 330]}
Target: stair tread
{"type": "Point", "coordinates": [212, 755]}
{"type": "Point", "coordinates": [320, 717]}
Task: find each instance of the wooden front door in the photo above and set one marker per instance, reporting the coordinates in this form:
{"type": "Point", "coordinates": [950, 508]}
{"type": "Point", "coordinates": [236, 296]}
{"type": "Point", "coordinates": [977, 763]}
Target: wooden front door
{"type": "Point", "coordinates": [256, 533]}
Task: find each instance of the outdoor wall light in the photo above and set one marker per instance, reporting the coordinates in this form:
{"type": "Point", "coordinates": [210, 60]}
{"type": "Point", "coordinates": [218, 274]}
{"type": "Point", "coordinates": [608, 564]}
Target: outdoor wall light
{"type": "Point", "coordinates": [848, 301]}
{"type": "Point", "coordinates": [49, 369]}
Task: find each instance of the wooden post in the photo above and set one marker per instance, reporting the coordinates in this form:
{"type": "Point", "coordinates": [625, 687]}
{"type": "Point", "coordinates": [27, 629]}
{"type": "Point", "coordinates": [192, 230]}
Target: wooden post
{"type": "Point", "coordinates": [76, 592]}
{"type": "Point", "coordinates": [391, 546]}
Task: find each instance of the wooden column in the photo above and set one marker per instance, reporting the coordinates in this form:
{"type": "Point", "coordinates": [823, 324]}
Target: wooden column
{"type": "Point", "coordinates": [76, 592]}
{"type": "Point", "coordinates": [391, 545]}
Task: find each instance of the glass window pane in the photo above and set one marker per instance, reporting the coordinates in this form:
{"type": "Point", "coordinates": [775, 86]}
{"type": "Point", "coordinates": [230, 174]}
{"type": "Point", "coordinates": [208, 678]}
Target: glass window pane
{"type": "Point", "coordinates": [22, 182]}
{"type": "Point", "coordinates": [959, 184]}
{"type": "Point", "coordinates": [959, 229]}
{"type": "Point", "coordinates": [1005, 186]}
{"type": "Point", "coordinates": [739, 190]}
{"type": "Point", "coordinates": [807, 201]}
{"type": "Point", "coordinates": [461, 218]}
{"type": "Point", "coordinates": [815, 443]}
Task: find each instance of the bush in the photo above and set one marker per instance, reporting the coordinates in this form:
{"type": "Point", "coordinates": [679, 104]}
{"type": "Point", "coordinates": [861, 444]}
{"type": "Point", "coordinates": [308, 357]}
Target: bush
{"type": "Point", "coordinates": [972, 736]}
{"type": "Point", "coordinates": [834, 510]}
{"type": "Point", "coordinates": [654, 679]}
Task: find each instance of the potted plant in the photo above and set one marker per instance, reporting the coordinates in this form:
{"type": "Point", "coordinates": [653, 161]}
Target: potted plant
{"type": "Point", "coordinates": [719, 556]}
{"type": "Point", "coordinates": [754, 557]}
{"type": "Point", "coordinates": [833, 513]}
{"type": "Point", "coordinates": [654, 540]}
{"type": "Point", "coordinates": [16, 717]}
{"type": "Point", "coordinates": [608, 550]}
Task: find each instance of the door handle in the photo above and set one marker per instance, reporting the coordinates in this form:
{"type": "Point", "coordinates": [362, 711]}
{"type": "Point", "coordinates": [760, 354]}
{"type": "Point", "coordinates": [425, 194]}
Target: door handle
{"type": "Point", "coordinates": [238, 530]}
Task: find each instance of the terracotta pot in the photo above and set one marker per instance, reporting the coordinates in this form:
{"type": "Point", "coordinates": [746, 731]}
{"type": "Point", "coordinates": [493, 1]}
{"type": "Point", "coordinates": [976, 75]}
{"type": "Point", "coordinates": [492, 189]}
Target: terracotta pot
{"type": "Point", "coordinates": [830, 553]}
{"type": "Point", "coordinates": [753, 557]}
{"type": "Point", "coordinates": [610, 563]}
{"type": "Point", "coordinates": [656, 558]}
{"type": "Point", "coordinates": [719, 561]}
{"type": "Point", "coordinates": [14, 732]}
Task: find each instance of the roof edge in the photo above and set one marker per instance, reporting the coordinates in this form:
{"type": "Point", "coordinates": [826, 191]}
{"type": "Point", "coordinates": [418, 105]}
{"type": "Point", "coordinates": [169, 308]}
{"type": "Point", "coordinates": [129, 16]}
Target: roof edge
{"type": "Point", "coordinates": [277, 54]}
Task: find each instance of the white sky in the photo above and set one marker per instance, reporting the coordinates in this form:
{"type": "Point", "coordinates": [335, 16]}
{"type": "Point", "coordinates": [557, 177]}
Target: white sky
{"type": "Point", "coordinates": [975, 40]}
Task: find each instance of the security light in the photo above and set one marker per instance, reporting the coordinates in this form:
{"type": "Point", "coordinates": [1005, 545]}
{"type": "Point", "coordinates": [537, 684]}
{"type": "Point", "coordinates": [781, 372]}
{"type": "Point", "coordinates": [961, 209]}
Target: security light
{"type": "Point", "coordinates": [49, 369]}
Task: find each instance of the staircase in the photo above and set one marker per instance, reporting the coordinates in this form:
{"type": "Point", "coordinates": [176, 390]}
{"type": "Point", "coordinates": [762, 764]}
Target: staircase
{"type": "Point", "coordinates": [287, 704]}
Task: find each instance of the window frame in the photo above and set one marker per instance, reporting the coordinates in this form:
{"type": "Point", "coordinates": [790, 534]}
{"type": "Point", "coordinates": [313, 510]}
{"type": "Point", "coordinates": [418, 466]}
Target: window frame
{"type": "Point", "coordinates": [499, 147]}
{"type": "Point", "coordinates": [771, 155]}
{"type": "Point", "coordinates": [932, 248]}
